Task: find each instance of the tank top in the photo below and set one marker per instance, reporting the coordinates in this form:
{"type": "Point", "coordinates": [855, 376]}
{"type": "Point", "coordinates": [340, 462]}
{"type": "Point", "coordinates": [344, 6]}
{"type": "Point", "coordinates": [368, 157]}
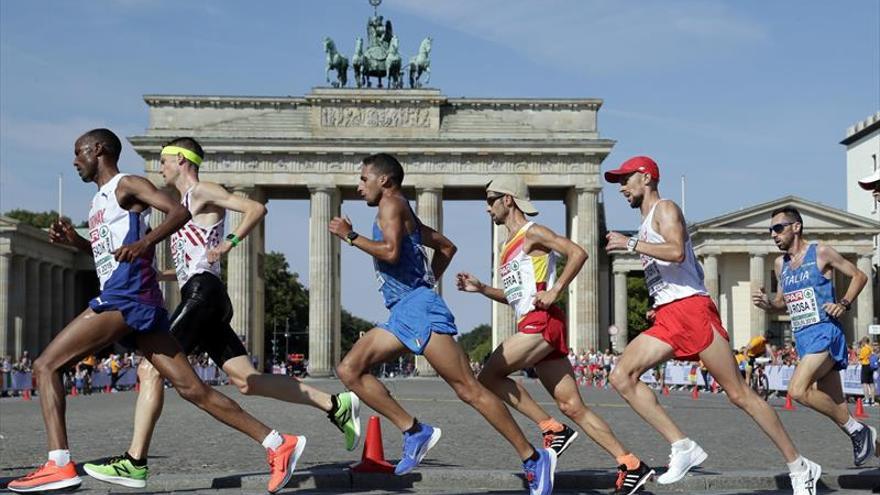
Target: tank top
{"type": "Point", "coordinates": [411, 271]}
{"type": "Point", "coordinates": [522, 275]}
{"type": "Point", "coordinates": [805, 291]}
{"type": "Point", "coordinates": [668, 281]}
{"type": "Point", "coordinates": [190, 246]}
{"type": "Point", "coordinates": [110, 227]}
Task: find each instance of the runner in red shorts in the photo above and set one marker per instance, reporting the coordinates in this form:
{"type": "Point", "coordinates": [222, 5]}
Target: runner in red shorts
{"type": "Point", "coordinates": [686, 327]}
{"type": "Point", "coordinates": [528, 272]}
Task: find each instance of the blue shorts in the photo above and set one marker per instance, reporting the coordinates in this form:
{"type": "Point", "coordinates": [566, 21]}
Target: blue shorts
{"type": "Point", "coordinates": [823, 337]}
{"type": "Point", "coordinates": [416, 316]}
{"type": "Point", "coordinates": [139, 316]}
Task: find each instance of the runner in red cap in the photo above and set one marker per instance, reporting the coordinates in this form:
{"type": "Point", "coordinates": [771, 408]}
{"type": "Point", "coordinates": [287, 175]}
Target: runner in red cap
{"type": "Point", "coordinates": [686, 326]}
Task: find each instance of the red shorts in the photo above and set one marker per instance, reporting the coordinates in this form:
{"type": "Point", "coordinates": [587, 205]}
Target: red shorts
{"type": "Point", "coordinates": [686, 325]}
{"type": "Point", "coordinates": [551, 325]}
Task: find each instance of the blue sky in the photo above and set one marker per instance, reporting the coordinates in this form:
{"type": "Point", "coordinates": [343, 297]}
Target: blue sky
{"type": "Point", "coordinates": [748, 99]}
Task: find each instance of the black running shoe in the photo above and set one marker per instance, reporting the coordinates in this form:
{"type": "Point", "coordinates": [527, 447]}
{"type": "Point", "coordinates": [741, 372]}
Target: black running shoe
{"type": "Point", "coordinates": [632, 481]}
{"type": "Point", "coordinates": [863, 442]}
{"type": "Point", "coordinates": [559, 440]}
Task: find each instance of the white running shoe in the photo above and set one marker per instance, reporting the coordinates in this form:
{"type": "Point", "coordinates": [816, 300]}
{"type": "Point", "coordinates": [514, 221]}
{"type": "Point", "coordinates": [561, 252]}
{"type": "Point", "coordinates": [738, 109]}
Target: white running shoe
{"type": "Point", "coordinates": [805, 482]}
{"type": "Point", "coordinates": [680, 462]}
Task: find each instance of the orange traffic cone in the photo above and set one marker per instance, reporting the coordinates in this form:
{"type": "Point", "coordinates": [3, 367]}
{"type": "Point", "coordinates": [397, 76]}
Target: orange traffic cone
{"type": "Point", "coordinates": [137, 386]}
{"type": "Point", "coordinates": [789, 406]}
{"type": "Point", "coordinates": [860, 410]}
{"type": "Point", "coordinates": [26, 395]}
{"type": "Point", "coordinates": [696, 393]}
{"type": "Point", "coordinates": [107, 389]}
{"type": "Point", "coordinates": [714, 387]}
{"type": "Point", "coordinates": [665, 390]}
{"type": "Point", "coordinates": [73, 392]}
{"type": "Point", "coordinates": [373, 458]}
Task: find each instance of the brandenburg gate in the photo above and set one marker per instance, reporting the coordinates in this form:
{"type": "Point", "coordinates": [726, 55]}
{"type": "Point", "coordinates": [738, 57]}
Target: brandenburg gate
{"type": "Point", "coordinates": [309, 147]}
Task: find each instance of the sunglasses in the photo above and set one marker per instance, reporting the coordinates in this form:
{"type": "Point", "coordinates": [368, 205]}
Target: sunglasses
{"type": "Point", "coordinates": [492, 199]}
{"type": "Point", "coordinates": [779, 227]}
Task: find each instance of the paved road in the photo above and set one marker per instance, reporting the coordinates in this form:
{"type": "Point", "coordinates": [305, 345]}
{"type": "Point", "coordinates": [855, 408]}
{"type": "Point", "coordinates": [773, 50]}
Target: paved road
{"type": "Point", "coordinates": [189, 445]}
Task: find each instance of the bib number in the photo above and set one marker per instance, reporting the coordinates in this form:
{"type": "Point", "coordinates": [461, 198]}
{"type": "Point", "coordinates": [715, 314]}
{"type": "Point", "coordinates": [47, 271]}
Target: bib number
{"type": "Point", "coordinates": [102, 249]}
{"type": "Point", "coordinates": [653, 279]}
{"type": "Point", "coordinates": [802, 308]}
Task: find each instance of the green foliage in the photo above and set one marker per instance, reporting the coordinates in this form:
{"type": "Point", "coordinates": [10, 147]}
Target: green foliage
{"type": "Point", "coordinates": [637, 305]}
{"type": "Point", "coordinates": [477, 343]}
{"type": "Point", "coordinates": [39, 219]}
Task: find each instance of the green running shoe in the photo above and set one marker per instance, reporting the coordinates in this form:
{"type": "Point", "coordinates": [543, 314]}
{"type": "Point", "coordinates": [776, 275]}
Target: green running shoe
{"type": "Point", "coordinates": [347, 418]}
{"type": "Point", "coordinates": [119, 471]}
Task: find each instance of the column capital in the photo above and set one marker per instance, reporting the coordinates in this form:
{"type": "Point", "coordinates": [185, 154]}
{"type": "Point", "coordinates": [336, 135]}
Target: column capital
{"type": "Point", "coordinates": [429, 189]}
{"type": "Point", "coordinates": [621, 271]}
{"type": "Point", "coordinates": [327, 188]}
{"type": "Point", "coordinates": [756, 253]}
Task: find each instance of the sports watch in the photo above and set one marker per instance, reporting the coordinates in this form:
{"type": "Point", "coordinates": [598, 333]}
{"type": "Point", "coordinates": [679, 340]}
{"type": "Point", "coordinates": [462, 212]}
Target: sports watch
{"type": "Point", "coordinates": [350, 237]}
{"type": "Point", "coordinates": [233, 239]}
{"type": "Point", "coordinates": [631, 244]}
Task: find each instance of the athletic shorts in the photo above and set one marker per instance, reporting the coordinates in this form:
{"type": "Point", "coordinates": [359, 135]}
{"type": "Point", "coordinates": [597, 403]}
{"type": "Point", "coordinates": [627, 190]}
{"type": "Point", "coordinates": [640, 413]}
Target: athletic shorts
{"type": "Point", "coordinates": [138, 316]}
{"type": "Point", "coordinates": [867, 374]}
{"type": "Point", "coordinates": [550, 324]}
{"type": "Point", "coordinates": [686, 325]}
{"type": "Point", "coordinates": [417, 315]}
{"type": "Point", "coordinates": [823, 337]}
{"type": "Point", "coordinates": [201, 320]}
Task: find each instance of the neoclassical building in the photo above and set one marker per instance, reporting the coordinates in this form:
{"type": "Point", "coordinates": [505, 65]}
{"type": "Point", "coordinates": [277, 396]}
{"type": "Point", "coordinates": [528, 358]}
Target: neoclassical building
{"type": "Point", "coordinates": [737, 255]}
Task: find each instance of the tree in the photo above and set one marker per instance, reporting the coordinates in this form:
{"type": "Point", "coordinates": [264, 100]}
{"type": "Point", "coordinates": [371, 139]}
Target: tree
{"type": "Point", "coordinates": [637, 304]}
{"type": "Point", "coordinates": [39, 219]}
{"type": "Point", "coordinates": [477, 343]}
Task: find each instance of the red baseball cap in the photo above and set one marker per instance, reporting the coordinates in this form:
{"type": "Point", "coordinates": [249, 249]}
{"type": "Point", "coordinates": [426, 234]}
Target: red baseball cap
{"type": "Point", "coordinates": [642, 164]}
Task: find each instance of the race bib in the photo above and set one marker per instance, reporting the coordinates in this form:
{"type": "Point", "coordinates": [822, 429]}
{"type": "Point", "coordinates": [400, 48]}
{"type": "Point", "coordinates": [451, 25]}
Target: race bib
{"type": "Point", "coordinates": [178, 253]}
{"type": "Point", "coordinates": [653, 279]}
{"type": "Point", "coordinates": [802, 307]}
{"type": "Point", "coordinates": [102, 249]}
{"type": "Point", "coordinates": [511, 280]}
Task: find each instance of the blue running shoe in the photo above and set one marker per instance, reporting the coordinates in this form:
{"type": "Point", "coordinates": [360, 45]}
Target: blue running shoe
{"type": "Point", "coordinates": [415, 446]}
{"type": "Point", "coordinates": [540, 473]}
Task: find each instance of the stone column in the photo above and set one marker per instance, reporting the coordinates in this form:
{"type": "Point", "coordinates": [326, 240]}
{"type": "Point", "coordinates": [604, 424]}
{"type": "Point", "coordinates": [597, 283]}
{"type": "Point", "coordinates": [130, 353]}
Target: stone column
{"type": "Point", "coordinates": [240, 275]}
{"type": "Point", "coordinates": [865, 301]}
{"type": "Point", "coordinates": [15, 341]}
{"type": "Point", "coordinates": [69, 294]}
{"type": "Point", "coordinates": [583, 311]}
{"type": "Point", "coordinates": [44, 334]}
{"type": "Point", "coordinates": [257, 252]}
{"type": "Point", "coordinates": [503, 317]}
{"type": "Point", "coordinates": [710, 275]}
{"type": "Point", "coordinates": [758, 317]}
{"type": "Point", "coordinates": [429, 208]}
{"type": "Point", "coordinates": [5, 313]}
{"type": "Point", "coordinates": [170, 290]}
{"type": "Point", "coordinates": [32, 319]}
{"type": "Point", "coordinates": [57, 300]}
{"type": "Point", "coordinates": [324, 334]}
{"type": "Point", "coordinates": [620, 310]}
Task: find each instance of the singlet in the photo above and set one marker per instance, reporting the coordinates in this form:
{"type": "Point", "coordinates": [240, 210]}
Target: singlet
{"type": "Point", "coordinates": [668, 281]}
{"type": "Point", "coordinates": [110, 227]}
{"type": "Point", "coordinates": [523, 276]}
{"type": "Point", "coordinates": [190, 246]}
{"type": "Point", "coordinates": [411, 271]}
{"type": "Point", "coordinates": [805, 291]}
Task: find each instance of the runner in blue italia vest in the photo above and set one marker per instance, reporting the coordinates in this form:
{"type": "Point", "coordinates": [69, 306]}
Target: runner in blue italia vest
{"type": "Point", "coordinates": [419, 323]}
{"type": "Point", "coordinates": [806, 292]}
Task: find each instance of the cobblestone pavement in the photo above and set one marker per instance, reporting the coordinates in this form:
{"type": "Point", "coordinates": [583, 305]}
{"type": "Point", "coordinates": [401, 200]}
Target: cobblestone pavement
{"type": "Point", "coordinates": [188, 444]}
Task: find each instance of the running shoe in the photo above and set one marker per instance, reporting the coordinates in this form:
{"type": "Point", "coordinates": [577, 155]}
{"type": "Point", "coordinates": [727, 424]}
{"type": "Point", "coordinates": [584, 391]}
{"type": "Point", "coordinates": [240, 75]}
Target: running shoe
{"type": "Point", "coordinates": [282, 461]}
{"type": "Point", "coordinates": [631, 481]}
{"type": "Point", "coordinates": [119, 471]}
{"type": "Point", "coordinates": [559, 440]}
{"type": "Point", "coordinates": [864, 442]}
{"type": "Point", "coordinates": [47, 477]}
{"type": "Point", "coordinates": [804, 482]}
{"type": "Point", "coordinates": [415, 446]}
{"type": "Point", "coordinates": [347, 418]}
{"type": "Point", "coordinates": [541, 473]}
{"type": "Point", "coordinates": [682, 461]}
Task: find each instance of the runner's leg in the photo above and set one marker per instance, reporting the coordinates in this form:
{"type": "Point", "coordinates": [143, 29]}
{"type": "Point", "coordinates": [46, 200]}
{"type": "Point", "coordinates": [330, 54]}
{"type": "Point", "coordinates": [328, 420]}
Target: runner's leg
{"type": "Point", "coordinates": [819, 368]}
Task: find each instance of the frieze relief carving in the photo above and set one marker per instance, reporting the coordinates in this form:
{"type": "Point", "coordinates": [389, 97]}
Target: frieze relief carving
{"type": "Point", "coordinates": [375, 117]}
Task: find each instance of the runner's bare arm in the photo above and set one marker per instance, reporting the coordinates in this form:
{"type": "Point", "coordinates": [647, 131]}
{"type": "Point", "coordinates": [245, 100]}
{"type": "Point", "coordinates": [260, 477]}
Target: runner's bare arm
{"type": "Point", "coordinates": [466, 282]}
{"type": "Point", "coordinates": [62, 232]}
{"type": "Point", "coordinates": [828, 258]}
{"type": "Point", "coordinates": [391, 221]}
{"type": "Point", "coordinates": [443, 248]}
{"type": "Point", "coordinates": [215, 194]}
{"type": "Point", "coordinates": [133, 191]}
{"type": "Point", "coordinates": [669, 222]}
{"type": "Point", "coordinates": [762, 300]}
{"type": "Point", "coordinates": [575, 256]}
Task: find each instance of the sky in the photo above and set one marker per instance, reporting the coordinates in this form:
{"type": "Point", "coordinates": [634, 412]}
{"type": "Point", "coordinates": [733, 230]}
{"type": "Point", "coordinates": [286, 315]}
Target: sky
{"type": "Point", "coordinates": [749, 100]}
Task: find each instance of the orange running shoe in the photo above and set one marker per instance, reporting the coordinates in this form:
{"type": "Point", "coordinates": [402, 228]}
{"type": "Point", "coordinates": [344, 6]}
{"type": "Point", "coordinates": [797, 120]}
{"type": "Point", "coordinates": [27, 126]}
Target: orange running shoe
{"type": "Point", "coordinates": [282, 461]}
{"type": "Point", "coordinates": [47, 477]}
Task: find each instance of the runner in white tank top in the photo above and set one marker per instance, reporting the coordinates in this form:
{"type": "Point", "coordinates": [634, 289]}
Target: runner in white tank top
{"type": "Point", "coordinates": [191, 244]}
{"type": "Point", "coordinates": [527, 269]}
{"type": "Point", "coordinates": [686, 325]}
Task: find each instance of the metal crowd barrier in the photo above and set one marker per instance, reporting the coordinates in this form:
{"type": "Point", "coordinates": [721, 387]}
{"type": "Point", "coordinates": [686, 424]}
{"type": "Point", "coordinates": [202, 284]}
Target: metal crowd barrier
{"type": "Point", "coordinates": [19, 381]}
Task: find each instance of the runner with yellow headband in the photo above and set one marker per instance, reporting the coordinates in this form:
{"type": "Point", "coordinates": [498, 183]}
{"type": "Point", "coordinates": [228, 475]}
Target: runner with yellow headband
{"type": "Point", "coordinates": [188, 154]}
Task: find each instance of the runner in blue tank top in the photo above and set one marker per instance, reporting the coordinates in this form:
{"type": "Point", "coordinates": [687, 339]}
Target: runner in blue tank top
{"type": "Point", "coordinates": [805, 290]}
{"type": "Point", "coordinates": [419, 322]}
{"type": "Point", "coordinates": [130, 303]}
